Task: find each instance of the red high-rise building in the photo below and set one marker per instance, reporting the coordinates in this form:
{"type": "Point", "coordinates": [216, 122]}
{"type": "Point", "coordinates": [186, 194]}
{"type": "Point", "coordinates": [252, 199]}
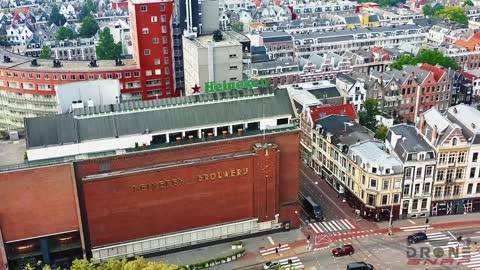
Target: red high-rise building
{"type": "Point", "coordinates": [152, 21]}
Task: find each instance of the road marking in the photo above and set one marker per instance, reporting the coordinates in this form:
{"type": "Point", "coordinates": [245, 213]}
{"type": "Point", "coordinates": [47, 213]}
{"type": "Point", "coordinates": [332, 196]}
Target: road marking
{"type": "Point", "coordinates": [347, 224]}
{"type": "Point", "coordinates": [271, 240]}
{"type": "Point", "coordinates": [314, 228]}
{"type": "Point", "coordinates": [449, 232]}
{"type": "Point", "coordinates": [336, 225]}
{"type": "Point", "coordinates": [271, 250]}
{"type": "Point", "coordinates": [411, 221]}
{"type": "Point", "coordinates": [326, 226]}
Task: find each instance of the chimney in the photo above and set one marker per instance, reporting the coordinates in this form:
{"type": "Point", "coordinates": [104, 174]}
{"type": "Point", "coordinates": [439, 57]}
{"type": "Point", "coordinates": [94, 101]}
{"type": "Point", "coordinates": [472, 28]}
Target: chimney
{"type": "Point", "coordinates": [179, 140]}
{"type": "Point", "coordinates": [240, 131]}
{"type": "Point", "coordinates": [224, 133]}
{"type": "Point", "coordinates": [190, 138]}
{"type": "Point", "coordinates": [434, 134]}
{"type": "Point", "coordinates": [210, 136]}
{"type": "Point", "coordinates": [422, 123]}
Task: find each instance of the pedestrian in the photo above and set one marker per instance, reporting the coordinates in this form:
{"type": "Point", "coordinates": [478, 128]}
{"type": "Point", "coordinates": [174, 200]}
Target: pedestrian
{"type": "Point", "coordinates": [279, 246]}
{"type": "Point", "coordinates": [276, 250]}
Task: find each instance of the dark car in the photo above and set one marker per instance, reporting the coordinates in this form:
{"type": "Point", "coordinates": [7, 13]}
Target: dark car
{"type": "Point", "coordinates": [417, 237]}
{"type": "Point", "coordinates": [359, 266]}
{"type": "Point", "coordinates": [343, 250]}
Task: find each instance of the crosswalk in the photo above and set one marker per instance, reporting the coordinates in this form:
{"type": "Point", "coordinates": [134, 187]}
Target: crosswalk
{"type": "Point", "coordinates": [272, 250]}
{"type": "Point", "coordinates": [437, 236]}
{"type": "Point", "coordinates": [467, 257]}
{"type": "Point", "coordinates": [296, 263]}
{"type": "Point", "coordinates": [474, 261]}
{"type": "Point", "coordinates": [417, 228]}
{"type": "Point", "coordinates": [332, 226]}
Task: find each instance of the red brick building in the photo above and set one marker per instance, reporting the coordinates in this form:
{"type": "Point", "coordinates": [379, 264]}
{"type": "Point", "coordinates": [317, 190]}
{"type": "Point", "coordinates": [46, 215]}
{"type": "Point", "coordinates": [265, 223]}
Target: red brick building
{"type": "Point", "coordinates": [230, 175]}
{"type": "Point", "coordinates": [28, 90]}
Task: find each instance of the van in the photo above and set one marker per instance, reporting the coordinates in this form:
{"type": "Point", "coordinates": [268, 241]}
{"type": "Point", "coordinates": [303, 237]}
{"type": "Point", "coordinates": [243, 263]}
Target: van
{"type": "Point", "coordinates": [359, 266]}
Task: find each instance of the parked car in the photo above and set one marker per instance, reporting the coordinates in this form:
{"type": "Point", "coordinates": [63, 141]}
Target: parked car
{"type": "Point", "coordinates": [417, 237]}
{"type": "Point", "coordinates": [271, 265]}
{"type": "Point", "coordinates": [343, 250]}
{"type": "Point", "coordinates": [359, 266]}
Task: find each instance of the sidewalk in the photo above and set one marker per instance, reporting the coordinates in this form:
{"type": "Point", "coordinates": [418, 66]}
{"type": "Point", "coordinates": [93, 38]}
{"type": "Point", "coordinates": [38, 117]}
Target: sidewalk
{"type": "Point", "coordinates": [432, 220]}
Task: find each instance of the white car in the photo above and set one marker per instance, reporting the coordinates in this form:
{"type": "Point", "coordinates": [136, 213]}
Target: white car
{"type": "Point", "coordinates": [271, 265]}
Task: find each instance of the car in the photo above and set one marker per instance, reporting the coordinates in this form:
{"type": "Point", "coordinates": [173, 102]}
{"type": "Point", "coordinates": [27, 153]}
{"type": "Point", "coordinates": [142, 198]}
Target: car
{"type": "Point", "coordinates": [271, 265]}
{"type": "Point", "coordinates": [417, 237]}
{"type": "Point", "coordinates": [360, 266]}
{"type": "Point", "coordinates": [343, 250]}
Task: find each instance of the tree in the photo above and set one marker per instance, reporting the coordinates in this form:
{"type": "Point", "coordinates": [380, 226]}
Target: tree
{"type": "Point", "coordinates": [107, 49]}
{"type": "Point", "coordinates": [453, 13]}
{"type": "Point", "coordinates": [428, 10]}
{"type": "Point", "coordinates": [237, 27]}
{"type": "Point", "coordinates": [87, 10]}
{"type": "Point", "coordinates": [56, 17]}
{"type": "Point", "coordinates": [381, 132]}
{"type": "Point", "coordinates": [46, 53]}
{"type": "Point", "coordinates": [367, 116]}
{"type": "Point", "coordinates": [139, 263]}
{"type": "Point", "coordinates": [89, 27]}
{"type": "Point", "coordinates": [64, 33]}
{"type": "Point", "coordinates": [468, 2]}
{"type": "Point", "coordinates": [432, 57]}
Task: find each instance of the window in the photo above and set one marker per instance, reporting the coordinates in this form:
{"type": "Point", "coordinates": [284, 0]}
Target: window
{"type": "Point", "coordinates": [118, 75]}
{"type": "Point", "coordinates": [385, 199]}
{"type": "Point", "coordinates": [371, 200]}
{"type": "Point", "coordinates": [447, 191]}
{"type": "Point", "coordinates": [64, 77]}
{"type": "Point", "coordinates": [419, 172]}
{"type": "Point", "coordinates": [426, 188]}
{"type": "Point", "coordinates": [158, 72]}
{"type": "Point", "coordinates": [153, 19]}
{"type": "Point", "coordinates": [148, 73]}
{"type": "Point", "coordinates": [443, 158]}
{"type": "Point", "coordinates": [145, 31]}
{"type": "Point", "coordinates": [429, 171]}
{"type": "Point", "coordinates": [461, 157]}
{"type": "Point", "coordinates": [408, 172]}
{"type": "Point", "coordinates": [470, 188]}
{"type": "Point", "coordinates": [143, 8]}
{"type": "Point", "coordinates": [163, 18]}
{"type": "Point", "coordinates": [72, 77]}
{"type": "Point", "coordinates": [475, 157]}
{"type": "Point", "coordinates": [165, 40]}
{"type": "Point", "coordinates": [155, 40]}
{"type": "Point", "coordinates": [81, 77]}
{"type": "Point", "coordinates": [385, 184]}
{"type": "Point", "coordinates": [154, 83]}
{"type": "Point", "coordinates": [396, 198]}
{"type": "Point", "coordinates": [146, 52]}
{"type": "Point", "coordinates": [440, 175]}
{"type": "Point", "coordinates": [459, 174]}
{"type": "Point", "coordinates": [167, 71]}
{"type": "Point", "coordinates": [90, 77]}
{"type": "Point", "coordinates": [136, 74]}
{"type": "Point", "coordinates": [165, 50]}
{"type": "Point", "coordinates": [373, 183]}
{"type": "Point", "coordinates": [39, 76]}
{"type": "Point", "coordinates": [165, 61]}
{"type": "Point", "coordinates": [438, 192]}
{"type": "Point", "coordinates": [424, 203]}
{"type": "Point", "coordinates": [449, 175]}
{"type": "Point", "coordinates": [156, 62]}
{"type": "Point", "coordinates": [415, 205]}
{"type": "Point", "coordinates": [127, 74]}
{"type": "Point", "coordinates": [233, 67]}
{"type": "Point", "coordinates": [162, 7]}
{"type": "Point", "coordinates": [457, 190]}
{"type": "Point", "coordinates": [472, 172]}
{"type": "Point", "coordinates": [478, 188]}
{"type": "Point", "coordinates": [406, 190]}
{"type": "Point", "coordinates": [100, 76]}
{"type": "Point", "coordinates": [454, 141]}
{"type": "Point", "coordinates": [164, 29]}
{"type": "Point", "coordinates": [30, 75]}
{"type": "Point", "coordinates": [417, 189]}
{"type": "Point", "coordinates": [451, 158]}
{"type": "Point", "coordinates": [46, 77]}
{"type": "Point", "coordinates": [167, 82]}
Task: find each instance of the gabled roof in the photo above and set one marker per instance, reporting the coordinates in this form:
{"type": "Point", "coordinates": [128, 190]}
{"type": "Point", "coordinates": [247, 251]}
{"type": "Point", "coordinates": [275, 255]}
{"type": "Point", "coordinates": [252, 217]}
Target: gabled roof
{"type": "Point", "coordinates": [343, 110]}
{"type": "Point", "coordinates": [437, 71]}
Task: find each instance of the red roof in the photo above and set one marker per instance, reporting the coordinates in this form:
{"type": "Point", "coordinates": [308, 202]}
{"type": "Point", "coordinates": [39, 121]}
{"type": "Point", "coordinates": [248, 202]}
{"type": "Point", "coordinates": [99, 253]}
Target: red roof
{"type": "Point", "coordinates": [344, 109]}
{"type": "Point", "coordinates": [468, 76]}
{"type": "Point", "coordinates": [437, 72]}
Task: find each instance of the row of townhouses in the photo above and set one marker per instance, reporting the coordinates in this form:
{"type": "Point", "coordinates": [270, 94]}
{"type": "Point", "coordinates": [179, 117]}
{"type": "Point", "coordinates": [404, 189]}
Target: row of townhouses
{"type": "Point", "coordinates": [429, 169]}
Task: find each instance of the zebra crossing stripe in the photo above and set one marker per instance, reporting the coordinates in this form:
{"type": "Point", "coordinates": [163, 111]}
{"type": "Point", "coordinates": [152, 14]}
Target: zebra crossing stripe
{"type": "Point", "coordinates": [296, 263]}
{"type": "Point", "coordinates": [336, 225]}
{"type": "Point", "coordinates": [314, 228]}
{"type": "Point", "coordinates": [347, 224]}
{"type": "Point", "coordinates": [437, 236]}
{"type": "Point", "coordinates": [318, 227]}
{"type": "Point", "coordinates": [326, 226]}
{"type": "Point", "coordinates": [271, 250]}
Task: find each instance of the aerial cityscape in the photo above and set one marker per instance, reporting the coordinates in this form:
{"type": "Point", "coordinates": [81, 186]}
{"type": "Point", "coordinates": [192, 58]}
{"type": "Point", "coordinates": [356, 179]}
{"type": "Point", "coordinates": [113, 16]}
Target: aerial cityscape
{"type": "Point", "coordinates": [239, 134]}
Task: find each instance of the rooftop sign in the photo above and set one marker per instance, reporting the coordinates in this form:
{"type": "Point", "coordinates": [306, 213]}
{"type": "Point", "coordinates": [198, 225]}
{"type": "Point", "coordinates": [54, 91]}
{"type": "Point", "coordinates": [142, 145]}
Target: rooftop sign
{"type": "Point", "coordinates": [211, 87]}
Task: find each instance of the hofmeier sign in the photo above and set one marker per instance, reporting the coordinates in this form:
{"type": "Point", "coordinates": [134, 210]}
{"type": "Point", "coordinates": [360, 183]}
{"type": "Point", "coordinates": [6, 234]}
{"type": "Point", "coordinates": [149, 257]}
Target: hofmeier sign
{"type": "Point", "coordinates": [211, 87]}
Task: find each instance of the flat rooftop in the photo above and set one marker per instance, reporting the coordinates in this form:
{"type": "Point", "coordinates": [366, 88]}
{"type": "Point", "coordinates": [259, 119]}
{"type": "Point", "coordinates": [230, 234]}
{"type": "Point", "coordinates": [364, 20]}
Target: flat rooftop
{"type": "Point", "coordinates": [22, 63]}
{"type": "Point", "coordinates": [11, 152]}
{"type": "Point", "coordinates": [226, 42]}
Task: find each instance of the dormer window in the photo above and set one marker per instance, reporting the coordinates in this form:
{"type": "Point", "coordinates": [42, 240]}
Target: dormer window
{"type": "Point", "coordinates": [421, 156]}
{"type": "Point", "coordinates": [454, 141]}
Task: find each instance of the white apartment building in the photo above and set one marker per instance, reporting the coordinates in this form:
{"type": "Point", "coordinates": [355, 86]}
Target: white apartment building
{"type": "Point", "coordinates": [354, 89]}
{"type": "Point", "coordinates": [206, 60]}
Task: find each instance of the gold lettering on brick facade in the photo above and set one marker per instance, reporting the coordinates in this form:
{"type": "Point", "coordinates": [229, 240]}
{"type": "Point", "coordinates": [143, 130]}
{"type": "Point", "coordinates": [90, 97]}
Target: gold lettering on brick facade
{"type": "Point", "coordinates": [168, 183]}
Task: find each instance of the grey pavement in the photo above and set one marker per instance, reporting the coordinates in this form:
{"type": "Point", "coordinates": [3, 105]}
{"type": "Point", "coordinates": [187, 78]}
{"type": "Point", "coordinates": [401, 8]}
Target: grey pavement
{"type": "Point", "coordinates": [432, 220]}
{"type": "Point", "coordinates": [252, 257]}
{"type": "Point", "coordinates": [12, 152]}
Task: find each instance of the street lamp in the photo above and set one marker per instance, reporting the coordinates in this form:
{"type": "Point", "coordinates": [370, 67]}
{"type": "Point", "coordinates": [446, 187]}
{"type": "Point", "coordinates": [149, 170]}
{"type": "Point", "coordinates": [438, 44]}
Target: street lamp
{"type": "Point", "coordinates": [390, 222]}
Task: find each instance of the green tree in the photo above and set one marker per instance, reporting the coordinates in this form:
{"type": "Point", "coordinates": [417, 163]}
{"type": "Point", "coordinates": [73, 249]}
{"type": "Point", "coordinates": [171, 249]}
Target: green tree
{"type": "Point", "coordinates": [89, 27]}
{"type": "Point", "coordinates": [453, 13]}
{"type": "Point", "coordinates": [428, 10]}
{"type": "Point", "coordinates": [64, 33]}
{"type": "Point", "coordinates": [87, 9]}
{"type": "Point", "coordinates": [56, 17]}
{"type": "Point", "coordinates": [404, 59]}
{"type": "Point", "coordinates": [107, 49]}
{"type": "Point", "coordinates": [46, 53]}
{"type": "Point", "coordinates": [468, 2]}
{"type": "Point", "coordinates": [432, 57]}
{"type": "Point", "coordinates": [381, 132]}
{"type": "Point", "coordinates": [367, 116]}
{"type": "Point", "coordinates": [237, 27]}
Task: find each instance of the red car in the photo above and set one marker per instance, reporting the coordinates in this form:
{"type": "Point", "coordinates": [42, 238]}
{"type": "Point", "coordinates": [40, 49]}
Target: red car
{"type": "Point", "coordinates": [343, 250]}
